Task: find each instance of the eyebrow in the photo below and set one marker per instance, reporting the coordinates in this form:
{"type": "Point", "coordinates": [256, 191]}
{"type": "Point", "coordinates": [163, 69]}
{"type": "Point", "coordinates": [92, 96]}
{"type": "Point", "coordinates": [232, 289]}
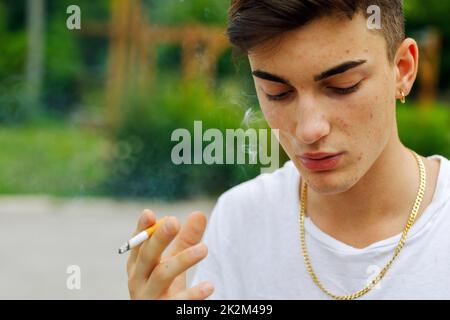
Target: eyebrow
{"type": "Point", "coordinates": [270, 77]}
{"type": "Point", "coordinates": [343, 67]}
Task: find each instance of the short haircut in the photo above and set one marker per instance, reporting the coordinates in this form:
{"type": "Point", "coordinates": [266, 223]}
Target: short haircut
{"type": "Point", "coordinates": [254, 22]}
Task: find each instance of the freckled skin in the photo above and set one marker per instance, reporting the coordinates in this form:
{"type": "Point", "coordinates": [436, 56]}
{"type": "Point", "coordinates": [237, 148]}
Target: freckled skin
{"type": "Point", "coordinates": [361, 124]}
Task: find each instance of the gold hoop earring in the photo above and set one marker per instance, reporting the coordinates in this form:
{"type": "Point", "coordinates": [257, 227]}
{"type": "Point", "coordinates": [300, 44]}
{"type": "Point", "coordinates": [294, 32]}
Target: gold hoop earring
{"type": "Point", "coordinates": [403, 98]}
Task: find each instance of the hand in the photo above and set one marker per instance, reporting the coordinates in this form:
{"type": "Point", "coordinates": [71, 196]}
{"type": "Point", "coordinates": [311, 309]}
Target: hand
{"type": "Point", "coordinates": [154, 275]}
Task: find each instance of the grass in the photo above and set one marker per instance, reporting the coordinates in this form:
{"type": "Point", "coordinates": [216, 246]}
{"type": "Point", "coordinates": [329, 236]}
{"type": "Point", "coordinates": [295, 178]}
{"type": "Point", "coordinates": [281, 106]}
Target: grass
{"type": "Point", "coordinates": [51, 158]}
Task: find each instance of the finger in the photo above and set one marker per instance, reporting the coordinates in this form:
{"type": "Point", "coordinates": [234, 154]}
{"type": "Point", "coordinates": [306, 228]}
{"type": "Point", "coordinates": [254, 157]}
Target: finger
{"type": "Point", "coordinates": [199, 292]}
{"type": "Point", "coordinates": [151, 250]}
{"type": "Point", "coordinates": [190, 234]}
{"type": "Point", "coordinates": [146, 220]}
{"type": "Point", "coordinates": [164, 273]}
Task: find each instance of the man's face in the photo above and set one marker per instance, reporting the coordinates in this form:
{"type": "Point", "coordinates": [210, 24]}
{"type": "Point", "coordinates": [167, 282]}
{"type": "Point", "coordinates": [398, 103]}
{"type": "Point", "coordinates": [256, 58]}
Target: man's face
{"type": "Point", "coordinates": [351, 113]}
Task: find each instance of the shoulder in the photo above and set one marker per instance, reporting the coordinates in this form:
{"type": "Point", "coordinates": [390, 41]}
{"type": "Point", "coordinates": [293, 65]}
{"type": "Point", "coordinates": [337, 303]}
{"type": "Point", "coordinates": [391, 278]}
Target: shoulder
{"type": "Point", "coordinates": [250, 205]}
{"type": "Point", "coordinates": [265, 188]}
{"type": "Point", "coordinates": [441, 171]}
{"type": "Point", "coordinates": [440, 165]}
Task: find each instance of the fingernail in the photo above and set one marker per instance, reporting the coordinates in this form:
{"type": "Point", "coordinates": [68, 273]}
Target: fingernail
{"type": "Point", "coordinates": [144, 219]}
{"type": "Point", "coordinates": [169, 225]}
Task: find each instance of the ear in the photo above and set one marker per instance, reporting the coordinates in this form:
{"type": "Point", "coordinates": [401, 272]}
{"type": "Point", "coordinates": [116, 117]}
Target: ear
{"type": "Point", "coordinates": [406, 66]}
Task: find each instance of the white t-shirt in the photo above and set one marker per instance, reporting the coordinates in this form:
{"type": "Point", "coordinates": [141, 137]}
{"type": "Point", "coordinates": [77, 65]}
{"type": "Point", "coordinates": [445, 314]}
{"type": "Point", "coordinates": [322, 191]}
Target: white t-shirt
{"type": "Point", "coordinates": [254, 248]}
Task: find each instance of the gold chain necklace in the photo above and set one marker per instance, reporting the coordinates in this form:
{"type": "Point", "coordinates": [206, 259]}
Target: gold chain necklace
{"type": "Point", "coordinates": [374, 282]}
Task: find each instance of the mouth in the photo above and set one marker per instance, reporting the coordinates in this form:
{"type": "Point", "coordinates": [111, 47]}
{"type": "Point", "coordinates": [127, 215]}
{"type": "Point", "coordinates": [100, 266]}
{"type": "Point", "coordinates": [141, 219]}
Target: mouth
{"type": "Point", "coordinates": [320, 161]}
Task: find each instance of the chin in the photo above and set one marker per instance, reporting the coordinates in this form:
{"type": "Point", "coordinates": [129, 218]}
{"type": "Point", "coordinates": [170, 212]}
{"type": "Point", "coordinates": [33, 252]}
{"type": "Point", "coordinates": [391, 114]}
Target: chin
{"type": "Point", "coordinates": [328, 182]}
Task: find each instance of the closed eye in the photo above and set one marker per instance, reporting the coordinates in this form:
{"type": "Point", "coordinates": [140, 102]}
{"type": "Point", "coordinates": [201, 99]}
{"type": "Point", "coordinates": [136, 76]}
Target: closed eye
{"type": "Point", "coordinates": [346, 90]}
{"type": "Point", "coordinates": [278, 97]}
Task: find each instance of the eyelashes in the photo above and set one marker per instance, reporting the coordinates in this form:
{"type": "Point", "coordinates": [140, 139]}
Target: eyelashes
{"type": "Point", "coordinates": [278, 97]}
{"type": "Point", "coordinates": [348, 90]}
{"type": "Point", "coordinates": [339, 91]}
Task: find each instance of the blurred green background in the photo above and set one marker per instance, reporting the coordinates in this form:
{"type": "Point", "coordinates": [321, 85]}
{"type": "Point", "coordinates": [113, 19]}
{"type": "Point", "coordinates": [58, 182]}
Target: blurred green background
{"type": "Point", "coordinates": [84, 118]}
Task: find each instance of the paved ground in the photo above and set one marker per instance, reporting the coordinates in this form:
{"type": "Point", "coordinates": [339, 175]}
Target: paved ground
{"type": "Point", "coordinates": [41, 237]}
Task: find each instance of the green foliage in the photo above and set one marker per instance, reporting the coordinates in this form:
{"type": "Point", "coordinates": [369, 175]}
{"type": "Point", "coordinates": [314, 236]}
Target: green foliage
{"type": "Point", "coordinates": [421, 15]}
{"type": "Point", "coordinates": [63, 63]}
{"type": "Point", "coordinates": [13, 106]}
{"type": "Point", "coordinates": [142, 165]}
{"type": "Point", "coordinates": [188, 11]}
{"type": "Point", "coordinates": [12, 52]}
{"type": "Point", "coordinates": [425, 130]}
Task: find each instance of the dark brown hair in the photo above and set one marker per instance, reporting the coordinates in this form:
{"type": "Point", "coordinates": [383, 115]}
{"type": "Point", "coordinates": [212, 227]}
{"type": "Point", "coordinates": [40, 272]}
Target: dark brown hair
{"type": "Point", "coordinates": [253, 22]}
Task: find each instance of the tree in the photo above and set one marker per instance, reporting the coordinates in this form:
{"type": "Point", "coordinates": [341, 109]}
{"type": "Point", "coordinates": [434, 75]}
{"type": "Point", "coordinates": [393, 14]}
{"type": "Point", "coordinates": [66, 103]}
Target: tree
{"type": "Point", "coordinates": [35, 52]}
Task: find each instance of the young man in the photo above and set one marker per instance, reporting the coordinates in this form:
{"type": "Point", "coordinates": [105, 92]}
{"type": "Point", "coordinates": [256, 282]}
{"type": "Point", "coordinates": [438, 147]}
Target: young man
{"type": "Point", "coordinates": [354, 214]}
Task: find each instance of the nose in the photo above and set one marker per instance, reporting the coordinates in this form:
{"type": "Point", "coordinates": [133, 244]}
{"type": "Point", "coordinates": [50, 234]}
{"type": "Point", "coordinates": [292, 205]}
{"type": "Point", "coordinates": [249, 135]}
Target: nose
{"type": "Point", "coordinates": [312, 124]}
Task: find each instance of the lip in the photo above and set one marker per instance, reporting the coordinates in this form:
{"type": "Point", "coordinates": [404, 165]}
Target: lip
{"type": "Point", "coordinates": [318, 155]}
{"type": "Point", "coordinates": [321, 161]}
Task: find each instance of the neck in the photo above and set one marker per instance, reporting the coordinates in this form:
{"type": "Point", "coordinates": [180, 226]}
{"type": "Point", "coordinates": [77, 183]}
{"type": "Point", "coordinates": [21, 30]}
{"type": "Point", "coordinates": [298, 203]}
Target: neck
{"type": "Point", "coordinates": [377, 206]}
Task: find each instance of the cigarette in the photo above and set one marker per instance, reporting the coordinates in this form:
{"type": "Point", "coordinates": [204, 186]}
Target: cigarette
{"type": "Point", "coordinates": [141, 237]}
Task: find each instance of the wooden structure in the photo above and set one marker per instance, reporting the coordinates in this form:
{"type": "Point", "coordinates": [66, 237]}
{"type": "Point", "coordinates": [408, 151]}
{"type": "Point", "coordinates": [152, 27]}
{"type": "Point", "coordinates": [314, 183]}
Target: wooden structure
{"type": "Point", "coordinates": [133, 45]}
{"type": "Point", "coordinates": [430, 57]}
